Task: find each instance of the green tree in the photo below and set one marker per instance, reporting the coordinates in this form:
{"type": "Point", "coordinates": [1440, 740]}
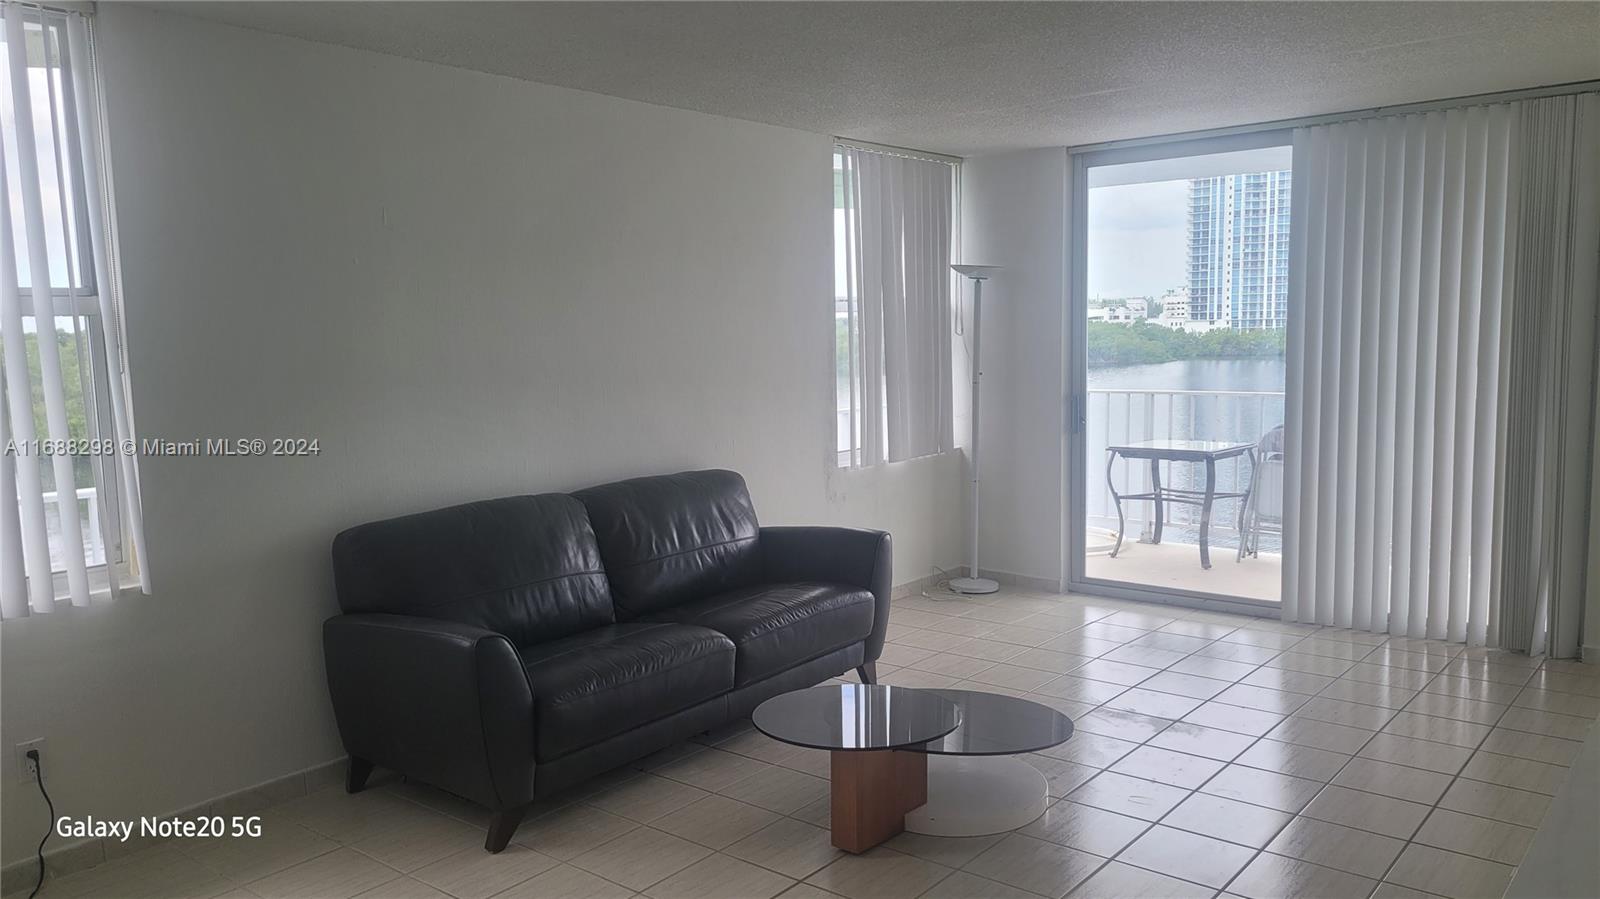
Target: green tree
{"type": "Point", "coordinates": [1143, 343]}
{"type": "Point", "coordinates": [71, 371]}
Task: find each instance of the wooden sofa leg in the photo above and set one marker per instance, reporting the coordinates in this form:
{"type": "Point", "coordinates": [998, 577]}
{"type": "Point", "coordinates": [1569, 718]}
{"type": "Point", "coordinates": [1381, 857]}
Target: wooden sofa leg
{"type": "Point", "coordinates": [501, 826]}
{"type": "Point", "coordinates": [868, 672]}
{"type": "Point", "coordinates": [355, 779]}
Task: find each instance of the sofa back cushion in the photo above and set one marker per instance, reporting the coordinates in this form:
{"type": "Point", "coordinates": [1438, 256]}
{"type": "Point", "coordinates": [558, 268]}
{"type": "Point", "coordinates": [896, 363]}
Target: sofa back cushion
{"type": "Point", "coordinates": [525, 566]}
{"type": "Point", "coordinates": [674, 538]}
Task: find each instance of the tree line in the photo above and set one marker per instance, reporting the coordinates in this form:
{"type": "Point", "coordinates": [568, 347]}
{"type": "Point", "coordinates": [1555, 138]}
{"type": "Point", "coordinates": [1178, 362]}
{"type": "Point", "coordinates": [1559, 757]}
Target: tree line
{"type": "Point", "coordinates": [1142, 343]}
{"type": "Point", "coordinates": [66, 347]}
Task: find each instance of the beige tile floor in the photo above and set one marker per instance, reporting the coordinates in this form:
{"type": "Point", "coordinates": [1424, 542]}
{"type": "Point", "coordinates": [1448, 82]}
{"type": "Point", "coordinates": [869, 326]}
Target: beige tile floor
{"type": "Point", "coordinates": [1216, 755]}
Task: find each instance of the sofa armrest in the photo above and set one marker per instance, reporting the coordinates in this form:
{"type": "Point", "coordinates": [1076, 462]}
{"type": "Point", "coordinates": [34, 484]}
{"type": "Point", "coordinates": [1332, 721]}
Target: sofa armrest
{"type": "Point", "coordinates": [855, 556]}
{"type": "Point", "coordinates": [444, 702]}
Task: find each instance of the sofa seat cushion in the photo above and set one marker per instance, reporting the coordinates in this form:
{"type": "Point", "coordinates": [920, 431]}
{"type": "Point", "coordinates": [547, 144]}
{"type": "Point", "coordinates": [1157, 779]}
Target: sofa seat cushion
{"type": "Point", "coordinates": [603, 682]}
{"type": "Point", "coordinates": [778, 626]}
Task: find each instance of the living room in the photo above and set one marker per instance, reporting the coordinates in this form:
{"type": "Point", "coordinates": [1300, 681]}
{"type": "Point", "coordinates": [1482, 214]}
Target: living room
{"type": "Point", "coordinates": [445, 281]}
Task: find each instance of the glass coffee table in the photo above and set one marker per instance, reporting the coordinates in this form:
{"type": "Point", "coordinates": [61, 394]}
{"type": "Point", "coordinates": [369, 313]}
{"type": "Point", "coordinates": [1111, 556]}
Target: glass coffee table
{"type": "Point", "coordinates": [871, 731]}
{"type": "Point", "coordinates": [883, 738]}
{"type": "Point", "coordinates": [976, 786]}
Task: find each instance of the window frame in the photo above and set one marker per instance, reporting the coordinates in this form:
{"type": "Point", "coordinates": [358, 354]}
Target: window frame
{"type": "Point", "coordinates": [81, 300]}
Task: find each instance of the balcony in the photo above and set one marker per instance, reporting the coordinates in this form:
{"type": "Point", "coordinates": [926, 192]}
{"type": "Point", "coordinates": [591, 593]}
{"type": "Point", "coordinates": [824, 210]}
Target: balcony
{"type": "Point", "coordinates": [1119, 416]}
{"type": "Point", "coordinates": [1176, 567]}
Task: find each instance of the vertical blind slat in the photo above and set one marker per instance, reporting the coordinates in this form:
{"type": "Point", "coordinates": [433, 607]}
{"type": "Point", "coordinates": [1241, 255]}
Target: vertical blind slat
{"type": "Point", "coordinates": [1365, 459]}
{"type": "Point", "coordinates": [1469, 277]}
{"type": "Point", "coordinates": [1487, 390]}
{"type": "Point", "coordinates": [19, 391]}
{"type": "Point", "coordinates": [1409, 250]}
{"type": "Point", "coordinates": [1452, 184]}
{"type": "Point", "coordinates": [1348, 386]}
{"type": "Point", "coordinates": [13, 573]}
{"type": "Point", "coordinates": [1390, 137]}
{"type": "Point", "coordinates": [1330, 264]}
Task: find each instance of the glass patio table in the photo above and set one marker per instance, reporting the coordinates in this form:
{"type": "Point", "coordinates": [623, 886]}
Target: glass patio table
{"type": "Point", "coordinates": [1203, 452]}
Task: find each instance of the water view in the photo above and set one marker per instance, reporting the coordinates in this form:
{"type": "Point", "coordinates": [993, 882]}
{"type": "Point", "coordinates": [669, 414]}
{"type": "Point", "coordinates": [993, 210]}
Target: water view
{"type": "Point", "coordinates": [1186, 311]}
{"type": "Point", "coordinates": [1193, 374]}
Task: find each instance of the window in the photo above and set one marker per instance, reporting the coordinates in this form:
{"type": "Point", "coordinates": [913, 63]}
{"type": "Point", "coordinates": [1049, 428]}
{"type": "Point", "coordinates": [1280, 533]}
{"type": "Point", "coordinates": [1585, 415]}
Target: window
{"type": "Point", "coordinates": [69, 510]}
{"type": "Point", "coordinates": [893, 218]}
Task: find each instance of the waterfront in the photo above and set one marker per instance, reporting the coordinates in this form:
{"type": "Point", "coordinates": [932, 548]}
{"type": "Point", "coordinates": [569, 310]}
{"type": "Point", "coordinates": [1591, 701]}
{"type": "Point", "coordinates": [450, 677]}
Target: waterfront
{"type": "Point", "coordinates": [1201, 399]}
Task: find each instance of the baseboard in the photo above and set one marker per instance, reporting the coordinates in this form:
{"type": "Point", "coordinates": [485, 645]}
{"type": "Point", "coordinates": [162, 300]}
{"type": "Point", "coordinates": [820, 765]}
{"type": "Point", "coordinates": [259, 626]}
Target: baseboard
{"type": "Point", "coordinates": [1590, 653]}
{"type": "Point", "coordinates": [1006, 578]}
{"type": "Point", "coordinates": [919, 585]}
{"type": "Point", "coordinates": [1023, 581]}
{"type": "Point", "coordinates": [70, 858]}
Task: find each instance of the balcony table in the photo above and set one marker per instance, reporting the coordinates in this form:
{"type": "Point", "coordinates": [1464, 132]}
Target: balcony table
{"type": "Point", "coordinates": [1203, 452]}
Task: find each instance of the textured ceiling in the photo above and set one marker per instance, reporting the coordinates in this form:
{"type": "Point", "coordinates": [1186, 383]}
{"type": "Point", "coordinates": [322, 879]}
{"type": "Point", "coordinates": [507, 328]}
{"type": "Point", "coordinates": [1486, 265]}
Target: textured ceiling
{"type": "Point", "coordinates": [968, 78]}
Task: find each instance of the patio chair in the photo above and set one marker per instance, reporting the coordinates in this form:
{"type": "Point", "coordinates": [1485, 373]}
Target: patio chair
{"type": "Point", "coordinates": [1262, 511]}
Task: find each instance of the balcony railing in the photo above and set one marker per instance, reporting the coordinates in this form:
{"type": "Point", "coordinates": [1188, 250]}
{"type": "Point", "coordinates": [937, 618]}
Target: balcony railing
{"type": "Point", "coordinates": [93, 541]}
{"type": "Point", "coordinates": [1117, 416]}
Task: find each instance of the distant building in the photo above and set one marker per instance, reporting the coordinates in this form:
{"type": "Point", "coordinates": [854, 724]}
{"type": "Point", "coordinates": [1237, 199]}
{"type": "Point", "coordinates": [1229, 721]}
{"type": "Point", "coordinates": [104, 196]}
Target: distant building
{"type": "Point", "coordinates": [1239, 250]}
{"type": "Point", "coordinates": [1174, 309]}
{"type": "Point", "coordinates": [1122, 311]}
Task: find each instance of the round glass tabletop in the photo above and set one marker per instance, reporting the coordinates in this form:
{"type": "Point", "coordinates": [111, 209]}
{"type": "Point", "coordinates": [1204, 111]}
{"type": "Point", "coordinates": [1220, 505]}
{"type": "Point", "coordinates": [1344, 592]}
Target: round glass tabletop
{"type": "Point", "coordinates": [992, 724]}
{"type": "Point", "coordinates": [857, 717]}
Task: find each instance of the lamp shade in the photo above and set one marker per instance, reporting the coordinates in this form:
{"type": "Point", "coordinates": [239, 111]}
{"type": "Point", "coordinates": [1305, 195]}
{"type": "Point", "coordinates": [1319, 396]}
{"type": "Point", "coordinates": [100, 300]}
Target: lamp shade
{"type": "Point", "coordinates": [977, 272]}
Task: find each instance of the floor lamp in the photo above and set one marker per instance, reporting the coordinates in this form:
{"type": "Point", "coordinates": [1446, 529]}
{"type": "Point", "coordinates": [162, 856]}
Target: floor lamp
{"type": "Point", "coordinates": [972, 583]}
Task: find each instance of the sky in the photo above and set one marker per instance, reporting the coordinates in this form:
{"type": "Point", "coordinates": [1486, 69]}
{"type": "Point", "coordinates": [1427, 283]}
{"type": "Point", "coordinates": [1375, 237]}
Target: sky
{"type": "Point", "coordinates": [1137, 239]}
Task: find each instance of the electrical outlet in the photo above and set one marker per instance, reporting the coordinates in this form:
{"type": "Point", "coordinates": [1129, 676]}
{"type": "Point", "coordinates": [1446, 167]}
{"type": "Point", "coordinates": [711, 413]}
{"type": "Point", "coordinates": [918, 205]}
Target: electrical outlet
{"type": "Point", "coordinates": [25, 765]}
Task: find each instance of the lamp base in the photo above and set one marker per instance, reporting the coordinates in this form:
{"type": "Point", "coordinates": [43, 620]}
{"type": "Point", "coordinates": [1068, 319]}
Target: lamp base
{"type": "Point", "coordinates": [974, 585]}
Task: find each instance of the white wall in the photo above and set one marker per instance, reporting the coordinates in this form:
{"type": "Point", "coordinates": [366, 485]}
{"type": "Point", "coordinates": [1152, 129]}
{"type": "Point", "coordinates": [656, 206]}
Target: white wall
{"type": "Point", "coordinates": [465, 286]}
{"type": "Point", "coordinates": [1014, 214]}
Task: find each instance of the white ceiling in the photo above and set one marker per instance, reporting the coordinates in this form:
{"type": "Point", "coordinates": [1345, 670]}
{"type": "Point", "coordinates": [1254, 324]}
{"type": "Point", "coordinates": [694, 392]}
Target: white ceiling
{"type": "Point", "coordinates": [969, 78]}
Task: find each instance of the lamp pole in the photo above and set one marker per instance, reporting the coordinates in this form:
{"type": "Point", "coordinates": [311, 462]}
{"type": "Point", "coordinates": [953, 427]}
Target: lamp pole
{"type": "Point", "coordinates": [972, 583]}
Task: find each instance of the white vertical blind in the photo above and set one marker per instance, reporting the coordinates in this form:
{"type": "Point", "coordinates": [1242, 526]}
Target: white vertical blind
{"type": "Point", "coordinates": [1551, 383]}
{"type": "Point", "coordinates": [898, 215]}
{"type": "Point", "coordinates": [1441, 384]}
{"type": "Point", "coordinates": [1399, 250]}
{"type": "Point", "coordinates": [73, 529]}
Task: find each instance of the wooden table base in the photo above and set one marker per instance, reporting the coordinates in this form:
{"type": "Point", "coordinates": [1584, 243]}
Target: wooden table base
{"type": "Point", "coordinates": [872, 791]}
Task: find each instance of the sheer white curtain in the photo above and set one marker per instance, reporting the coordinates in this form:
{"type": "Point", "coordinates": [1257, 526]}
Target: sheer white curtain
{"type": "Point", "coordinates": [898, 214]}
{"type": "Point", "coordinates": [1405, 296]}
{"type": "Point", "coordinates": [69, 507]}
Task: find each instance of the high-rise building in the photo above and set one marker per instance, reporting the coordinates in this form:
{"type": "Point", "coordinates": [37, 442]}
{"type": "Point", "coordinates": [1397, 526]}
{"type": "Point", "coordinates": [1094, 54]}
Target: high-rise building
{"type": "Point", "coordinates": [1239, 250]}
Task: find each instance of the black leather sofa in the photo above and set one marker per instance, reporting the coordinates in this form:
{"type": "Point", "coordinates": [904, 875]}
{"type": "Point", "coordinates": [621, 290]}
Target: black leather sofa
{"type": "Point", "coordinates": [503, 650]}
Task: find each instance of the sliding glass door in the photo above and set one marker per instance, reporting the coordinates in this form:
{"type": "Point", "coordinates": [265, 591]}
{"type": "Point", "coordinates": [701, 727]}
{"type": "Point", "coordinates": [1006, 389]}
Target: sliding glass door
{"type": "Point", "coordinates": [1177, 342]}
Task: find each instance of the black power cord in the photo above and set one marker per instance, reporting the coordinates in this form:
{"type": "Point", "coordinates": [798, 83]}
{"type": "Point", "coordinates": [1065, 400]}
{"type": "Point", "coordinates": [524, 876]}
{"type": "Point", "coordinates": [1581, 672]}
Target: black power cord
{"type": "Point", "coordinates": [38, 775]}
